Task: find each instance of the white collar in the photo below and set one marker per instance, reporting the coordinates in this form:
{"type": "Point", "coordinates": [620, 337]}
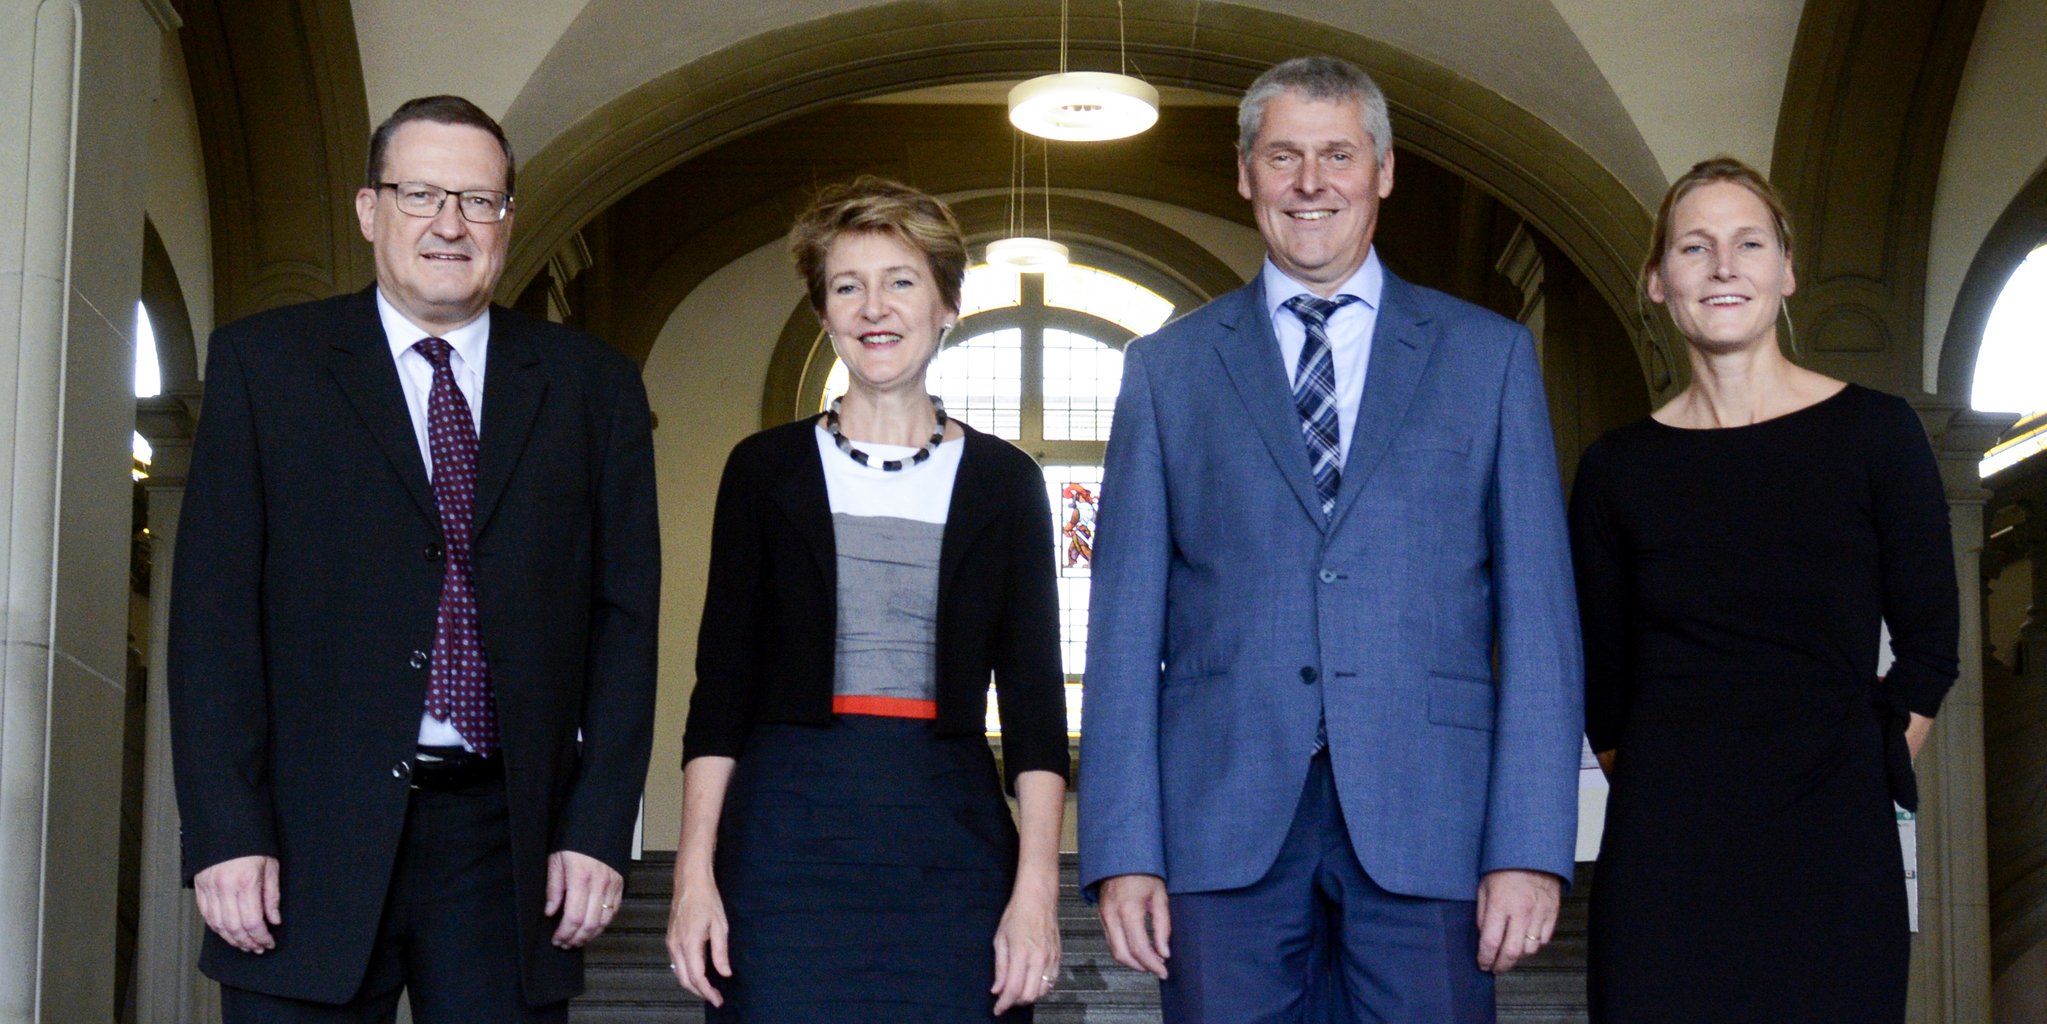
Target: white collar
{"type": "Point", "coordinates": [468, 340]}
{"type": "Point", "coordinates": [1367, 284]}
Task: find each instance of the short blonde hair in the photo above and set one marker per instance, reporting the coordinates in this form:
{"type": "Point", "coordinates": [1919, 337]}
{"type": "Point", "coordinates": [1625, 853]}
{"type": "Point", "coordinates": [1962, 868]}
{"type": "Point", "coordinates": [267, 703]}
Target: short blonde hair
{"type": "Point", "coordinates": [882, 206]}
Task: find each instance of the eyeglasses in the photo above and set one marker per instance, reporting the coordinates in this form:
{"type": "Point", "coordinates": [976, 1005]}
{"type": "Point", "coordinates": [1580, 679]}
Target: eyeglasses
{"type": "Point", "coordinates": [477, 205]}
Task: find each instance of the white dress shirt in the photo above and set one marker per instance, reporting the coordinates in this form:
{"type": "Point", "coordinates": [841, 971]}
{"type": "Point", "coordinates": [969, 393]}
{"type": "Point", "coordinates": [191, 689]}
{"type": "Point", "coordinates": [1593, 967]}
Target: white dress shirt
{"type": "Point", "coordinates": [1350, 335]}
{"type": "Point", "coordinates": [470, 343]}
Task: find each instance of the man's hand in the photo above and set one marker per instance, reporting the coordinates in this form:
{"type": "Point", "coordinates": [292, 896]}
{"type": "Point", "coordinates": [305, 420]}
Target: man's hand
{"type": "Point", "coordinates": [238, 898]}
{"type": "Point", "coordinates": [1126, 902]}
{"type": "Point", "coordinates": [585, 891]}
{"type": "Point", "coordinates": [1517, 913]}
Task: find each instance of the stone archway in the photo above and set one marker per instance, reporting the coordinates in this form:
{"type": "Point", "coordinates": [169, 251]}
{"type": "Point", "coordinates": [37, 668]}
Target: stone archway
{"type": "Point", "coordinates": [2020, 229]}
{"type": "Point", "coordinates": [1592, 217]}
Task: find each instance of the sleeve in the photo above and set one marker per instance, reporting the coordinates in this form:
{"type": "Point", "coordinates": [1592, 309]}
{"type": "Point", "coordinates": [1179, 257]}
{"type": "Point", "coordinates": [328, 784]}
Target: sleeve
{"type": "Point", "coordinates": [219, 694]}
{"type": "Point", "coordinates": [1601, 566]}
{"type": "Point", "coordinates": [730, 637]}
{"type": "Point", "coordinates": [1030, 685]}
{"type": "Point", "coordinates": [1532, 795]}
{"type": "Point", "coordinates": [625, 605]}
{"type": "Point", "coordinates": [1921, 599]}
{"type": "Point", "coordinates": [1122, 825]}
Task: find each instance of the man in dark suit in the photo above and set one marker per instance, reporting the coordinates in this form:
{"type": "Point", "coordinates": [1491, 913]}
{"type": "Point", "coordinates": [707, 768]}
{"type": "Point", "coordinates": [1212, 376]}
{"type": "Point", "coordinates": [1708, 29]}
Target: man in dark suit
{"type": "Point", "coordinates": [412, 623]}
{"type": "Point", "coordinates": [1330, 752]}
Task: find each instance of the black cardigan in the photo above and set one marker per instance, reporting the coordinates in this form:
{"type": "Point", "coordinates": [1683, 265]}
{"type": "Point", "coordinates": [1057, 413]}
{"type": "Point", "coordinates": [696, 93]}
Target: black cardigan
{"type": "Point", "coordinates": [765, 651]}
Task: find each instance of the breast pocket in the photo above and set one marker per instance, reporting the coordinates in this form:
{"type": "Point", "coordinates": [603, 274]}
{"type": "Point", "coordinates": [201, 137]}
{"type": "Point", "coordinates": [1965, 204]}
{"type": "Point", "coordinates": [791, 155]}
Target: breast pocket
{"type": "Point", "coordinates": [1436, 442]}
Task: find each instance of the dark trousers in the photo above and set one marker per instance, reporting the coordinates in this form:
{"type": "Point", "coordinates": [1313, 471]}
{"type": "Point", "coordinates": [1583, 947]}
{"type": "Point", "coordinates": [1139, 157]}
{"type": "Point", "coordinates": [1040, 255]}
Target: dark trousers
{"type": "Point", "coordinates": [1317, 942]}
{"type": "Point", "coordinates": [448, 938]}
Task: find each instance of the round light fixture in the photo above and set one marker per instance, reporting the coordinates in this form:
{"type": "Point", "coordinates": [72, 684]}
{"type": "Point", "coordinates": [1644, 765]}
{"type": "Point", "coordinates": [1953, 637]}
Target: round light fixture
{"type": "Point", "coordinates": [1084, 106]}
{"type": "Point", "coordinates": [1026, 255]}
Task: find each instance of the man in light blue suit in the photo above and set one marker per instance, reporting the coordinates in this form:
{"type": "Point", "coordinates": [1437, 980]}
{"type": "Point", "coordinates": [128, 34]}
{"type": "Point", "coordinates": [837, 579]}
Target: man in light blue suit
{"type": "Point", "coordinates": [1330, 753]}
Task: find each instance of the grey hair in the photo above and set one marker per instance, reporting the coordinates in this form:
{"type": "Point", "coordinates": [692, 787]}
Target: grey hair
{"type": "Point", "coordinates": [1316, 78]}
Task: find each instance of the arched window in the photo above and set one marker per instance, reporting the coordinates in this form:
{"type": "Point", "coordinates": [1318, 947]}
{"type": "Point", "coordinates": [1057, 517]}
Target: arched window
{"type": "Point", "coordinates": [2011, 367]}
{"type": "Point", "coordinates": [148, 381]}
{"type": "Point", "coordinates": [1038, 360]}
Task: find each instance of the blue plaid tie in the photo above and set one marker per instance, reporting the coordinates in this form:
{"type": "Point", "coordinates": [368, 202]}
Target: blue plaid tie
{"type": "Point", "coordinates": [1315, 394]}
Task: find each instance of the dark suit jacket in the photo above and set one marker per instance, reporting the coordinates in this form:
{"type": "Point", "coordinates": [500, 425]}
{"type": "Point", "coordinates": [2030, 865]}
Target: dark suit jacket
{"type": "Point", "coordinates": [308, 574]}
{"type": "Point", "coordinates": [771, 609]}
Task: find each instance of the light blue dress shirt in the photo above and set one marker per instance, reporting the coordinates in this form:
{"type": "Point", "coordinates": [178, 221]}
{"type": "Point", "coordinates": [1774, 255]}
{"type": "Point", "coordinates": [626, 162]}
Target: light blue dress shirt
{"type": "Point", "coordinates": [1350, 334]}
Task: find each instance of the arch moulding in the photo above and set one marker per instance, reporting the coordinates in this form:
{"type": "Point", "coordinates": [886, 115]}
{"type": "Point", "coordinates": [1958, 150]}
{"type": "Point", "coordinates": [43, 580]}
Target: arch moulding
{"type": "Point", "coordinates": [1217, 48]}
{"type": "Point", "coordinates": [2018, 231]}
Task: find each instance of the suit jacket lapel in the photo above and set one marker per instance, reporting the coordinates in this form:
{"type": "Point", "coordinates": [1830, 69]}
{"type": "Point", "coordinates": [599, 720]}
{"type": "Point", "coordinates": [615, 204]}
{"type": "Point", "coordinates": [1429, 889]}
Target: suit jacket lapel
{"type": "Point", "coordinates": [360, 360]}
{"type": "Point", "coordinates": [513, 385]}
{"type": "Point", "coordinates": [1250, 353]}
{"type": "Point", "coordinates": [1400, 352]}
{"type": "Point", "coordinates": [799, 490]}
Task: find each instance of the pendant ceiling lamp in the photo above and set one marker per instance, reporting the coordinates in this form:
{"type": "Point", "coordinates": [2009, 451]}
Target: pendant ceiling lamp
{"type": "Point", "coordinates": [1019, 252]}
{"type": "Point", "coordinates": [1084, 106]}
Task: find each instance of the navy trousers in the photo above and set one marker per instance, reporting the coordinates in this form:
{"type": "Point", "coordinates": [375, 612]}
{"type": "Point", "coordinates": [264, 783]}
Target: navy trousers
{"type": "Point", "coordinates": [448, 937]}
{"type": "Point", "coordinates": [1317, 942]}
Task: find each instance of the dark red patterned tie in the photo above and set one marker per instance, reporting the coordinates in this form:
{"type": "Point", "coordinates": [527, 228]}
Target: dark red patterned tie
{"type": "Point", "coordinates": [458, 685]}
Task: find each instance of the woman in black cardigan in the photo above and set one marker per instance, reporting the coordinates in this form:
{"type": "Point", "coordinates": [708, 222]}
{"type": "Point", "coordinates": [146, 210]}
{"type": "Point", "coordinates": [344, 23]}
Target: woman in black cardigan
{"type": "Point", "coordinates": [846, 854]}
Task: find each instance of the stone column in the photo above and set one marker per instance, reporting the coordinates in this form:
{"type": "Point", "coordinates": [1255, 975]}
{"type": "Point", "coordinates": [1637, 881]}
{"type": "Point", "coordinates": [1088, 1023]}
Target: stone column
{"type": "Point", "coordinates": [75, 78]}
{"type": "Point", "coordinates": [169, 987]}
{"type": "Point", "coordinates": [37, 97]}
{"type": "Point", "coordinates": [1951, 953]}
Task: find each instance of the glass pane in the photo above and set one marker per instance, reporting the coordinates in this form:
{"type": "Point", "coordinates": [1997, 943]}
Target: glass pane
{"type": "Point", "coordinates": [2011, 368]}
{"type": "Point", "coordinates": [981, 381]}
{"type": "Point", "coordinates": [1116, 299]}
{"type": "Point", "coordinates": [988, 288]}
{"type": "Point", "coordinates": [1082, 376]}
{"type": "Point", "coordinates": [1075, 492]}
{"type": "Point", "coordinates": [148, 376]}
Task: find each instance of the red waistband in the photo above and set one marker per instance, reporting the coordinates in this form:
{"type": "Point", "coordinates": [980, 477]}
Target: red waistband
{"type": "Point", "coordinates": [886, 707]}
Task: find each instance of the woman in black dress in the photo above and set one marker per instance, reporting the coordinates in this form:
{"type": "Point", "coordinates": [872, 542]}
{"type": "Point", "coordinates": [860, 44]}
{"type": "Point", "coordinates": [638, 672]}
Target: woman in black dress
{"type": "Point", "coordinates": [1737, 554]}
{"type": "Point", "coordinates": [870, 569]}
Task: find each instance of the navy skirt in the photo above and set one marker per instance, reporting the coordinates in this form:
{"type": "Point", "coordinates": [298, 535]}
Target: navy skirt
{"type": "Point", "coordinates": [864, 867]}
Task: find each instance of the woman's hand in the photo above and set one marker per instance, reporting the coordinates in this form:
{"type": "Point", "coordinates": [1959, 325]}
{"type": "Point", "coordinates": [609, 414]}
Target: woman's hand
{"type": "Point", "coordinates": [1027, 943]}
{"type": "Point", "coordinates": [696, 920]}
{"type": "Point", "coordinates": [696, 917]}
{"type": "Point", "coordinates": [1916, 732]}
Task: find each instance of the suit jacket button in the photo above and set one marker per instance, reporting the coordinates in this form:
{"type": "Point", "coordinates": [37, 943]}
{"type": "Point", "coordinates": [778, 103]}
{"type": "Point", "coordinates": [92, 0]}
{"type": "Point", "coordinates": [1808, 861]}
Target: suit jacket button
{"type": "Point", "coordinates": [1327, 575]}
{"type": "Point", "coordinates": [433, 551]}
{"type": "Point", "coordinates": [420, 659]}
{"type": "Point", "coordinates": [1307, 673]}
{"type": "Point", "coordinates": [401, 770]}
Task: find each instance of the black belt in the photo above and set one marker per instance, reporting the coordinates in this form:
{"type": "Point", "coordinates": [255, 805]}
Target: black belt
{"type": "Point", "coordinates": [441, 769]}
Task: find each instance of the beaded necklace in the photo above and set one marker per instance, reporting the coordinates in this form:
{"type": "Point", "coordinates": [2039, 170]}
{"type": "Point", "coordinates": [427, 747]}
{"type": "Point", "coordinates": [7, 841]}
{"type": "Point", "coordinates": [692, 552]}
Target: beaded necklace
{"type": "Point", "coordinates": [831, 426]}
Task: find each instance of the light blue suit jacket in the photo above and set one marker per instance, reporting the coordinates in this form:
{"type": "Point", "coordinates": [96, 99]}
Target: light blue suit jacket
{"type": "Point", "coordinates": [1430, 618]}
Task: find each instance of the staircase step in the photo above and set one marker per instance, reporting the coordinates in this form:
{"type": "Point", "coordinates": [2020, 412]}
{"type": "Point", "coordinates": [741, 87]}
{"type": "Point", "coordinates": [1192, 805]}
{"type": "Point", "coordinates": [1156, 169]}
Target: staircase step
{"type": "Point", "coordinates": [628, 982]}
